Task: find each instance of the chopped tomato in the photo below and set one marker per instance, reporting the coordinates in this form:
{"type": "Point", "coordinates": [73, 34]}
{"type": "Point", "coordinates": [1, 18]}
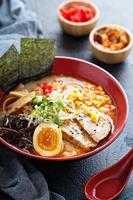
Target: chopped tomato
{"type": "Point", "coordinates": [47, 88]}
{"type": "Point", "coordinates": [67, 13]}
{"type": "Point", "coordinates": [77, 13]}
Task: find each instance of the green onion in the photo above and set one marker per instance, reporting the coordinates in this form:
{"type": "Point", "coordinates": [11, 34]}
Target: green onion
{"type": "Point", "coordinates": [47, 109]}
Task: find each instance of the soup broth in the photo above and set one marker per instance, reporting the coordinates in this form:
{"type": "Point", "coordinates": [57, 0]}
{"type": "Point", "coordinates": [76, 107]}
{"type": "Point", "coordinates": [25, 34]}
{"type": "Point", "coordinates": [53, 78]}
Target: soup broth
{"type": "Point", "coordinates": [76, 116]}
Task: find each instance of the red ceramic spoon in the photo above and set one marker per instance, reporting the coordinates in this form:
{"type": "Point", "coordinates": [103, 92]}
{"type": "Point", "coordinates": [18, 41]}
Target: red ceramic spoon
{"type": "Point", "coordinates": [109, 183]}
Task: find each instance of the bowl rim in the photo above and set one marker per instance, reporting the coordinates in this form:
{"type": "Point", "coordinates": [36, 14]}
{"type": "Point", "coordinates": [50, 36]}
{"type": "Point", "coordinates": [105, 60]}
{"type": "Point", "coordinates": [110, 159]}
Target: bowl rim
{"type": "Point", "coordinates": [87, 154]}
{"type": "Point", "coordinates": [95, 18]}
{"type": "Point", "coordinates": [94, 44]}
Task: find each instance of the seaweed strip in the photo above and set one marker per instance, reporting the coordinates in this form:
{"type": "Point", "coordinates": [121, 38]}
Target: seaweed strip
{"type": "Point", "coordinates": [9, 67]}
{"type": "Point", "coordinates": [36, 57]}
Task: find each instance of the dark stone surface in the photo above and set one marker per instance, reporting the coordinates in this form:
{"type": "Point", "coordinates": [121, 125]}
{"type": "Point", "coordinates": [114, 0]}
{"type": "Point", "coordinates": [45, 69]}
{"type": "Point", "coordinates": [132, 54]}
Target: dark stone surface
{"type": "Point", "coordinates": [69, 178]}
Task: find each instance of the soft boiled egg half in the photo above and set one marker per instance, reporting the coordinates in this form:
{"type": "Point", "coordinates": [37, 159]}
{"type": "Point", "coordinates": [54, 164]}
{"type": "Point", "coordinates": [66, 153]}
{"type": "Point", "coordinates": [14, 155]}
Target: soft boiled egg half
{"type": "Point", "coordinates": [47, 139]}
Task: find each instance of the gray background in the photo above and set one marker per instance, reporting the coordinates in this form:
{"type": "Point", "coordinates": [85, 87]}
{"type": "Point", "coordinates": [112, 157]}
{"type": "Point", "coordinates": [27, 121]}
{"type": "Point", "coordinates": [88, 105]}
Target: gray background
{"type": "Point", "coordinates": [68, 178]}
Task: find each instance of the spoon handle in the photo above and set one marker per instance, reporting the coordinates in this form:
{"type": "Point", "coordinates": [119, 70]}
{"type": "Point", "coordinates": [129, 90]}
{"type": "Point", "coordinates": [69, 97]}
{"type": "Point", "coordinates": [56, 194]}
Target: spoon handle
{"type": "Point", "coordinates": [127, 161]}
{"type": "Point", "coordinates": [129, 157]}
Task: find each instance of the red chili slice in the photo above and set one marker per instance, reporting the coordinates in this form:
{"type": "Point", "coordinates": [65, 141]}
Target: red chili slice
{"type": "Point", "coordinates": [47, 88]}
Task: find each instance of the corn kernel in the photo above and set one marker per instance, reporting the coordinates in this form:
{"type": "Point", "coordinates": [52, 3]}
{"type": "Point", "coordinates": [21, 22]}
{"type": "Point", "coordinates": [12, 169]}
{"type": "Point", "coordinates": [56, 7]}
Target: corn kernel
{"type": "Point", "coordinates": [102, 92]}
{"type": "Point", "coordinates": [70, 98]}
{"type": "Point", "coordinates": [87, 90]}
{"type": "Point", "coordinates": [73, 96]}
{"type": "Point", "coordinates": [94, 117]}
{"type": "Point", "coordinates": [78, 112]}
{"type": "Point", "coordinates": [99, 88]}
{"type": "Point", "coordinates": [98, 105]}
{"type": "Point", "coordinates": [98, 97]}
{"type": "Point", "coordinates": [78, 103]}
{"type": "Point", "coordinates": [107, 99]}
{"type": "Point", "coordinates": [88, 103]}
{"type": "Point", "coordinates": [87, 84]}
{"type": "Point", "coordinates": [87, 111]}
{"type": "Point", "coordinates": [92, 96]}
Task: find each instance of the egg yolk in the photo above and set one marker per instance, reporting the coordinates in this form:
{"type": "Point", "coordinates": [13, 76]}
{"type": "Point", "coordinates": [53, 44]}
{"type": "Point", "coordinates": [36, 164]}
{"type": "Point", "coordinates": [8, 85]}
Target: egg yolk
{"type": "Point", "coordinates": [47, 139]}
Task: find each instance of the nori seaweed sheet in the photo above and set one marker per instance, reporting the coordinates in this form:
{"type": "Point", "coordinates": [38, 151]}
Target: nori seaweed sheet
{"type": "Point", "coordinates": [9, 66]}
{"type": "Point", "coordinates": [36, 57]}
{"type": "Point", "coordinates": [34, 61]}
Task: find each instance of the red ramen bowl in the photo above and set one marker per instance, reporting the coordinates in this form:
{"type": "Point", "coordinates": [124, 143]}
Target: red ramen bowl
{"type": "Point", "coordinates": [92, 73]}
